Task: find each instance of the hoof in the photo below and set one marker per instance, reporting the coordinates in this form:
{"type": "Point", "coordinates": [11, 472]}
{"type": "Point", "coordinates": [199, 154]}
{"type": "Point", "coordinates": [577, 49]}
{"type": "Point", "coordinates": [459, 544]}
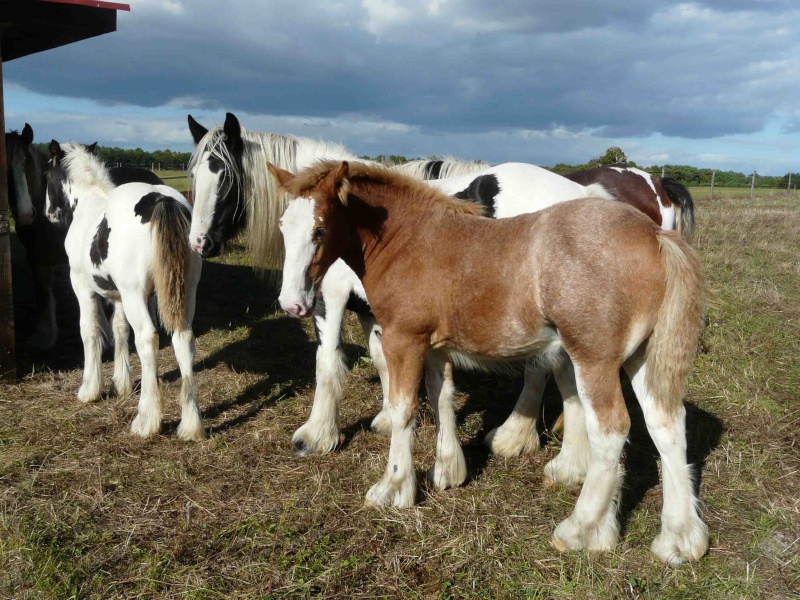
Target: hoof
{"type": "Point", "coordinates": [444, 475]}
{"type": "Point", "coordinates": [191, 433]}
{"type": "Point", "coordinates": [88, 394]}
{"type": "Point", "coordinates": [392, 491]}
{"type": "Point", "coordinates": [602, 537]}
{"type": "Point", "coordinates": [512, 439]}
{"type": "Point", "coordinates": [676, 546]}
{"type": "Point", "coordinates": [310, 439]}
{"type": "Point", "coordinates": [565, 471]}
{"type": "Point", "coordinates": [146, 426]}
{"type": "Point", "coordinates": [382, 423]}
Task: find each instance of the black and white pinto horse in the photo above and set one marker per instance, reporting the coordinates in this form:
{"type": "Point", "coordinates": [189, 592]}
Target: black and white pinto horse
{"type": "Point", "coordinates": [663, 199]}
{"type": "Point", "coordinates": [44, 241]}
{"type": "Point", "coordinates": [233, 191]}
{"type": "Point", "coordinates": [123, 244]}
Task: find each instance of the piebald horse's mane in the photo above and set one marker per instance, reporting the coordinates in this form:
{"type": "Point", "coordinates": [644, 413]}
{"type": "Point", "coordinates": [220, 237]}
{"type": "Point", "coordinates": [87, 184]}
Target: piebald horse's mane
{"type": "Point", "coordinates": [262, 199]}
{"type": "Point", "coordinates": [447, 166]}
{"type": "Point", "coordinates": [84, 169]}
{"type": "Point", "coordinates": [407, 191]}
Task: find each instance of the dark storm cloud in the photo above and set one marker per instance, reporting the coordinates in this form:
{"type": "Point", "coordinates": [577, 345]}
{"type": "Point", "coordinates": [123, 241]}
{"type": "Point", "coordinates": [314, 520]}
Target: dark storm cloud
{"type": "Point", "coordinates": [620, 68]}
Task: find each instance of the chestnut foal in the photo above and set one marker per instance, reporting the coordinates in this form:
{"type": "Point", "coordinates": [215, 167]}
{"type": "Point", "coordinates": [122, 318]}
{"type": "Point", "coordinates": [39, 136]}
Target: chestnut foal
{"type": "Point", "coordinates": [596, 279]}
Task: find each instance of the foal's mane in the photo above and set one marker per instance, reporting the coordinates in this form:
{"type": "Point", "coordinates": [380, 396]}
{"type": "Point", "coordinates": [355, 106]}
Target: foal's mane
{"type": "Point", "coordinates": [85, 169]}
{"type": "Point", "coordinates": [407, 191]}
{"type": "Point", "coordinates": [262, 198]}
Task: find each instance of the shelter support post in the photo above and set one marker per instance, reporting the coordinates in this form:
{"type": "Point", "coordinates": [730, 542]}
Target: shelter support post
{"type": "Point", "coordinates": [8, 366]}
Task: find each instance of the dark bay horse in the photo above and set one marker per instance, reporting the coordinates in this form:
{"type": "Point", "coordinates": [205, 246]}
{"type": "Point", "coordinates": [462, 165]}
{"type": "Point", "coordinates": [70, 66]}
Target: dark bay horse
{"type": "Point", "coordinates": [594, 279]}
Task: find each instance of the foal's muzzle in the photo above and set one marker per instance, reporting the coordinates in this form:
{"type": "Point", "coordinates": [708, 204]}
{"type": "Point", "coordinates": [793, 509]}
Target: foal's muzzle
{"type": "Point", "coordinates": [297, 308]}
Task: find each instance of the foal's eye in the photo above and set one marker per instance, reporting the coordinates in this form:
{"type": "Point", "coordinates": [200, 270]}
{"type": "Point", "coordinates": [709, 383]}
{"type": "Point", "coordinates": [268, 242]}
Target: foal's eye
{"type": "Point", "coordinates": [319, 233]}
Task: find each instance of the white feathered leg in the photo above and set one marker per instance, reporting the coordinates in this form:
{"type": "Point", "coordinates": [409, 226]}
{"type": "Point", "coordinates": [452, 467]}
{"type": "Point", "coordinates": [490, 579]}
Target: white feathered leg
{"type": "Point", "coordinates": [450, 468]}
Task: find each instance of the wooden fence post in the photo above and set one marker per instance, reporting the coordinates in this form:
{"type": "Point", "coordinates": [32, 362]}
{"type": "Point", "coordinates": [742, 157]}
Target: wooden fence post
{"type": "Point", "coordinates": [789, 186]}
{"type": "Point", "coordinates": [752, 183]}
{"type": "Point", "coordinates": [663, 168]}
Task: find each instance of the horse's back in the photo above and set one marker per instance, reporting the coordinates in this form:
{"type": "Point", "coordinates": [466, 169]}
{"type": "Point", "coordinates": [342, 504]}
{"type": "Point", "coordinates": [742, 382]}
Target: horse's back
{"type": "Point", "coordinates": [122, 175]}
{"type": "Point", "coordinates": [511, 189]}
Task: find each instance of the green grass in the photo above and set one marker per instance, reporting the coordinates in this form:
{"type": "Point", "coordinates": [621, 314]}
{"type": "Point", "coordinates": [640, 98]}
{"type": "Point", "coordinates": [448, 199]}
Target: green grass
{"type": "Point", "coordinates": [87, 511]}
{"type": "Point", "coordinates": [176, 179]}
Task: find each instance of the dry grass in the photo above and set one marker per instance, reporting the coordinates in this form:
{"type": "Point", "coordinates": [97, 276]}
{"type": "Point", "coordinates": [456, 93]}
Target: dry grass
{"type": "Point", "coordinates": [89, 511]}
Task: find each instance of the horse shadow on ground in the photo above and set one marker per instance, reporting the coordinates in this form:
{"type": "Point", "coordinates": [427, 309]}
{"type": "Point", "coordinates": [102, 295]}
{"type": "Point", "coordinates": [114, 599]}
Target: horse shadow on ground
{"type": "Point", "coordinates": [230, 297]}
{"type": "Point", "coordinates": [495, 397]}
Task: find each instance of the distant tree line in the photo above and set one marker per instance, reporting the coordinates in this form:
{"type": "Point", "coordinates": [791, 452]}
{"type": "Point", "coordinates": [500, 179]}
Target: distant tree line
{"type": "Point", "coordinates": [169, 160]}
{"type": "Point", "coordinates": [166, 160]}
{"type": "Point", "coordinates": [685, 174]}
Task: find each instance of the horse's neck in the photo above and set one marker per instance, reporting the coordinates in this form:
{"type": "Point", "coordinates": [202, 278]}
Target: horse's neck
{"type": "Point", "coordinates": [39, 189]}
{"type": "Point", "coordinates": [91, 202]}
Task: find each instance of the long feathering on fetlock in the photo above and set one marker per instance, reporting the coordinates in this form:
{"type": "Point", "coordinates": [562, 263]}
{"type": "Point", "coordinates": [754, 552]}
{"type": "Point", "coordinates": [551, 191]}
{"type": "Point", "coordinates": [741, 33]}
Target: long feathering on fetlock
{"type": "Point", "coordinates": [672, 346]}
{"type": "Point", "coordinates": [171, 224]}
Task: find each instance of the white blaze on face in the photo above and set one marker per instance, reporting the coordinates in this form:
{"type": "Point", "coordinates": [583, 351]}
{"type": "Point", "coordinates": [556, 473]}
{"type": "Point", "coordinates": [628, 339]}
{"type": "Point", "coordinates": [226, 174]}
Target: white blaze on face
{"type": "Point", "coordinates": [24, 203]}
{"type": "Point", "coordinates": [297, 227]}
{"type": "Point", "coordinates": [206, 184]}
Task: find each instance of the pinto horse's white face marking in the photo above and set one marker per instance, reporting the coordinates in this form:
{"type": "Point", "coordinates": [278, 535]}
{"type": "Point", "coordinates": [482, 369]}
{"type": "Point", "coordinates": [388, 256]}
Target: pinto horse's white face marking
{"type": "Point", "coordinates": [207, 183]}
{"type": "Point", "coordinates": [61, 197]}
{"type": "Point", "coordinates": [301, 237]}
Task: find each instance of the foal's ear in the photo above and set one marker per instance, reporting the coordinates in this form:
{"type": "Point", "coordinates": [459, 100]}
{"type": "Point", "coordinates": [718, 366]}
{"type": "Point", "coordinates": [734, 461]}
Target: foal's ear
{"type": "Point", "coordinates": [91, 148]}
{"type": "Point", "coordinates": [340, 183]}
{"type": "Point", "coordinates": [197, 130]}
{"type": "Point", "coordinates": [282, 176]}
{"type": "Point", "coordinates": [55, 149]}
{"type": "Point", "coordinates": [27, 134]}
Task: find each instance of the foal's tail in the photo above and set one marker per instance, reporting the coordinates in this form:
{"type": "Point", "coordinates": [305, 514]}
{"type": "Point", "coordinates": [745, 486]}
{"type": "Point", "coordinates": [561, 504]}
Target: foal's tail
{"type": "Point", "coordinates": [170, 222]}
{"type": "Point", "coordinates": [672, 345]}
{"type": "Point", "coordinates": [680, 196]}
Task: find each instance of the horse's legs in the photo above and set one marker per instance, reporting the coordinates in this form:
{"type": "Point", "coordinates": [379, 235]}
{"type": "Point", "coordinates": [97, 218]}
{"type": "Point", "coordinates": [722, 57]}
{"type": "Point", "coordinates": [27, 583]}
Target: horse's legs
{"type": "Point", "coordinates": [450, 468]}
{"type": "Point", "coordinates": [518, 434]}
{"type": "Point", "coordinates": [382, 423]}
{"type": "Point", "coordinates": [683, 535]}
{"type": "Point", "coordinates": [148, 419]}
{"type": "Point", "coordinates": [122, 363]}
{"type": "Point", "coordinates": [46, 327]}
{"type": "Point", "coordinates": [569, 467]}
{"type": "Point", "coordinates": [593, 522]}
{"type": "Point", "coordinates": [405, 357]}
{"type": "Point", "coordinates": [92, 342]}
{"type": "Point", "coordinates": [191, 425]}
{"type": "Point", "coordinates": [321, 432]}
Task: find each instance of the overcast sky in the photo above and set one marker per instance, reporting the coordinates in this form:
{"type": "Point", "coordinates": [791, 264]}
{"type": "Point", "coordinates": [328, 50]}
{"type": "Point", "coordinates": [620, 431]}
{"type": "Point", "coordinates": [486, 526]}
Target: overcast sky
{"type": "Point", "coordinates": [712, 84]}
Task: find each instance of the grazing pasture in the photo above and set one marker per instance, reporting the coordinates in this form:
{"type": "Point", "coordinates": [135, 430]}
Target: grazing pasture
{"type": "Point", "coordinates": [87, 510]}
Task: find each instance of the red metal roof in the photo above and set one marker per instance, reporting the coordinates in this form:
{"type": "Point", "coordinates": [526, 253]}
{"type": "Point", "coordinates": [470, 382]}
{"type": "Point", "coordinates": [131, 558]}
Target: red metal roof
{"type": "Point", "coordinates": [93, 4]}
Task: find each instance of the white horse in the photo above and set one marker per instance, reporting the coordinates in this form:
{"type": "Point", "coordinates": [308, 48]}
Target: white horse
{"type": "Point", "coordinates": [233, 190]}
{"type": "Point", "coordinates": [123, 244]}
